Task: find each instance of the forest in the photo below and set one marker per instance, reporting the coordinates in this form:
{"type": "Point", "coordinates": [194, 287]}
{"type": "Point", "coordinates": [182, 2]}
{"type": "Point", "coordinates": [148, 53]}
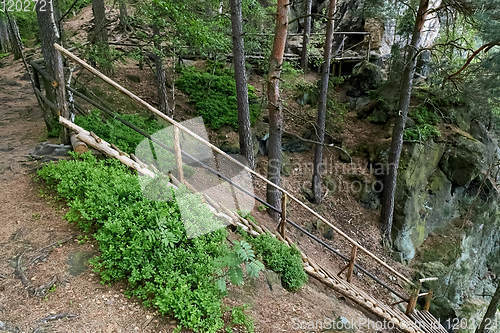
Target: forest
{"type": "Point", "coordinates": [250, 166]}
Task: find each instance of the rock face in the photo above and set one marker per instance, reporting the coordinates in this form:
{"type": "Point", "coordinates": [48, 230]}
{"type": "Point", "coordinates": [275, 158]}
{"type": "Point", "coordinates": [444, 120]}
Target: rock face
{"type": "Point", "coordinates": [433, 182]}
{"type": "Point", "coordinates": [446, 217]}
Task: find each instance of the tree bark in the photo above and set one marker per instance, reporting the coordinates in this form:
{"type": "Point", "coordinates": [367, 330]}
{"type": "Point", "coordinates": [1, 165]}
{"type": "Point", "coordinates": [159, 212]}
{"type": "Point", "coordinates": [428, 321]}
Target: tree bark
{"type": "Point", "coordinates": [397, 134]}
{"type": "Point", "coordinates": [49, 35]}
{"type": "Point", "coordinates": [325, 76]}
{"type": "Point", "coordinates": [488, 323]}
{"type": "Point", "coordinates": [100, 33]}
{"type": "Point", "coordinates": [304, 59]}
{"type": "Point", "coordinates": [14, 37]}
{"type": "Point", "coordinates": [244, 130]}
{"type": "Point", "coordinates": [123, 15]}
{"type": "Point", "coordinates": [4, 35]}
{"type": "Point", "coordinates": [274, 106]}
{"type": "Point", "coordinates": [161, 76]}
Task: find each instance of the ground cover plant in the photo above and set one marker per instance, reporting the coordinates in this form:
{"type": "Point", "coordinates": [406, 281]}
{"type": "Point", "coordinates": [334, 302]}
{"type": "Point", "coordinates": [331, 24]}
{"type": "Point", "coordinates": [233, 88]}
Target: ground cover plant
{"type": "Point", "coordinates": [213, 93]}
{"type": "Point", "coordinates": [112, 130]}
{"type": "Point", "coordinates": [144, 242]}
{"type": "Point", "coordinates": [284, 260]}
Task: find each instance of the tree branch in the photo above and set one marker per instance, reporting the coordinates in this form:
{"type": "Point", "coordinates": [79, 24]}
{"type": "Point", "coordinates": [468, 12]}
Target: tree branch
{"type": "Point", "coordinates": [486, 47]}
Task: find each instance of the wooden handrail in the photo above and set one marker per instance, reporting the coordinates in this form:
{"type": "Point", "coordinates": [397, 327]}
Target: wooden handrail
{"type": "Point", "coordinates": [218, 150]}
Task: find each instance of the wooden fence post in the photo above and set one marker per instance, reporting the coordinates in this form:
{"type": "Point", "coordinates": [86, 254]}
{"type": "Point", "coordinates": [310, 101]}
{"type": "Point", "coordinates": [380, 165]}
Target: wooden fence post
{"type": "Point", "coordinates": [428, 299]}
{"type": "Point", "coordinates": [350, 270]}
{"type": "Point", "coordinates": [178, 154]}
{"type": "Point", "coordinates": [282, 225]}
{"type": "Point", "coordinates": [412, 303]}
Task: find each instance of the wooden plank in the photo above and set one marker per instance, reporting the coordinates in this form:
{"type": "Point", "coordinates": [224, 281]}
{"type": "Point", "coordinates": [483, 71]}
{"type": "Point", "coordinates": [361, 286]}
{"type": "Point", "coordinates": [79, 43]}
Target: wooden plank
{"type": "Point", "coordinates": [243, 166]}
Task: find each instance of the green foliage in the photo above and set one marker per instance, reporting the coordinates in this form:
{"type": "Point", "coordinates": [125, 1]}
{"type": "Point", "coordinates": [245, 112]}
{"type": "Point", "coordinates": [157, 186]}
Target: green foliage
{"type": "Point", "coordinates": [425, 125]}
{"type": "Point", "coordinates": [236, 264]}
{"type": "Point", "coordinates": [103, 56]}
{"type": "Point", "coordinates": [55, 130]}
{"type": "Point", "coordinates": [144, 242]}
{"type": "Point", "coordinates": [282, 259]}
{"type": "Point", "coordinates": [239, 318]}
{"type": "Point", "coordinates": [187, 26]}
{"type": "Point", "coordinates": [65, 5]}
{"type": "Point", "coordinates": [213, 92]}
{"type": "Point", "coordinates": [114, 131]}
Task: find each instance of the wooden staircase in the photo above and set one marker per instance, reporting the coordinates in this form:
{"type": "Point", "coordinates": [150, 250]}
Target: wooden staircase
{"type": "Point", "coordinates": [410, 321]}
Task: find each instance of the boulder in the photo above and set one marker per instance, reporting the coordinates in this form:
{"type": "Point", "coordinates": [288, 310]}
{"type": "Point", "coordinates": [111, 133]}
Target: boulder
{"type": "Point", "coordinates": [463, 160]}
{"type": "Point", "coordinates": [367, 76]}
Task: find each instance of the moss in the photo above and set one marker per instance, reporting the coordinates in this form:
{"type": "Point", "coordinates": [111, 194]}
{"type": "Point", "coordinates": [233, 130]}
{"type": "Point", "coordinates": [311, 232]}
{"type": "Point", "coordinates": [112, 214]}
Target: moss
{"type": "Point", "coordinates": [440, 249]}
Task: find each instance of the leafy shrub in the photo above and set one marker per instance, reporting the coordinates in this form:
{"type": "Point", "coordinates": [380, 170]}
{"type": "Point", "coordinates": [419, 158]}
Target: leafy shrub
{"type": "Point", "coordinates": [282, 259]}
{"type": "Point", "coordinates": [213, 92]}
{"type": "Point", "coordinates": [239, 318]}
{"type": "Point", "coordinates": [144, 242]}
{"type": "Point", "coordinates": [425, 125]}
{"type": "Point", "coordinates": [102, 56]}
{"type": "Point", "coordinates": [114, 131]}
{"type": "Point", "coordinates": [231, 265]}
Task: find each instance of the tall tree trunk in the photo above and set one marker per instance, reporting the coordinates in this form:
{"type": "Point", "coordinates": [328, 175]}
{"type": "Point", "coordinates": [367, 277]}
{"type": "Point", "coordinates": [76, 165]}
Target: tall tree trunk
{"type": "Point", "coordinates": [488, 323]}
{"type": "Point", "coordinates": [14, 36]}
{"type": "Point", "coordinates": [4, 35]}
{"type": "Point", "coordinates": [244, 131]}
{"type": "Point", "coordinates": [274, 106]}
{"type": "Point", "coordinates": [304, 59]}
{"type": "Point", "coordinates": [397, 134]}
{"type": "Point", "coordinates": [100, 33]}
{"type": "Point", "coordinates": [161, 76]}
{"type": "Point", "coordinates": [49, 35]}
{"type": "Point", "coordinates": [325, 76]}
{"type": "Point", "coordinates": [123, 15]}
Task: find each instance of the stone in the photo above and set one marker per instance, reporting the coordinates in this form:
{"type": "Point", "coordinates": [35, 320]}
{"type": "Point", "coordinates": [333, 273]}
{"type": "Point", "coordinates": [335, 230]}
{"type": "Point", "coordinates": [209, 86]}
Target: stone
{"type": "Point", "coordinates": [370, 194]}
{"type": "Point", "coordinates": [46, 151]}
{"type": "Point", "coordinates": [78, 262]}
{"type": "Point", "coordinates": [367, 76]}
{"type": "Point", "coordinates": [413, 202]}
{"type": "Point", "coordinates": [292, 144]}
{"type": "Point", "coordinates": [5, 327]}
{"type": "Point", "coordinates": [463, 160]}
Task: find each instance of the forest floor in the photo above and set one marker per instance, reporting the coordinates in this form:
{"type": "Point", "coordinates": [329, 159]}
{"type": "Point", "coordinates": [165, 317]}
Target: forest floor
{"type": "Point", "coordinates": [45, 282]}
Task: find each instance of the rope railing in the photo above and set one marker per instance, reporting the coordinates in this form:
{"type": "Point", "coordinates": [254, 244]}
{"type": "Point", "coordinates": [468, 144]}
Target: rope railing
{"type": "Point", "coordinates": [186, 130]}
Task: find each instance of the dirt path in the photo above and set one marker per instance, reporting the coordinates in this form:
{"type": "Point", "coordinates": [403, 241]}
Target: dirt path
{"type": "Point", "coordinates": [30, 221]}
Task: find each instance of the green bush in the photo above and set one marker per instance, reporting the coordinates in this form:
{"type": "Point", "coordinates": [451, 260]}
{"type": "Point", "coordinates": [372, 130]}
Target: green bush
{"type": "Point", "coordinates": [240, 319]}
{"type": "Point", "coordinates": [213, 92]}
{"type": "Point", "coordinates": [144, 242]}
{"type": "Point", "coordinates": [282, 259]}
{"type": "Point", "coordinates": [116, 132]}
{"type": "Point", "coordinates": [425, 125]}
